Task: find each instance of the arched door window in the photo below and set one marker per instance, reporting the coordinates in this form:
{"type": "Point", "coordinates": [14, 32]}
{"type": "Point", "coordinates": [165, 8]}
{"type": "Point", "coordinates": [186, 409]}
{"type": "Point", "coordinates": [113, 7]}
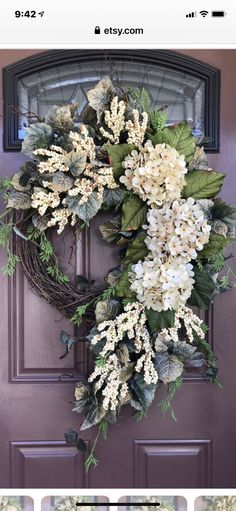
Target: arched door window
{"type": "Point", "coordinates": [189, 88]}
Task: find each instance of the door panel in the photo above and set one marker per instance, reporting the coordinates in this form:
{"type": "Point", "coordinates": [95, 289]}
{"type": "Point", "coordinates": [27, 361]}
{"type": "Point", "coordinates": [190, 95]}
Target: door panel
{"type": "Point", "coordinates": [36, 386]}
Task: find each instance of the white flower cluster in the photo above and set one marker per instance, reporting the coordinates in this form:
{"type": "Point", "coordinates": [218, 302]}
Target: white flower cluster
{"type": "Point", "coordinates": [9, 504]}
{"type": "Point", "coordinates": [183, 316]}
{"type": "Point", "coordinates": [130, 323]}
{"type": "Point", "coordinates": [115, 120]}
{"type": "Point", "coordinates": [110, 376]}
{"type": "Point", "coordinates": [156, 174]}
{"type": "Point", "coordinates": [41, 200]}
{"type": "Point", "coordinates": [61, 217]}
{"type": "Point", "coordinates": [93, 180]}
{"type": "Point", "coordinates": [136, 131]}
{"type": "Point", "coordinates": [55, 160]}
{"type": "Point", "coordinates": [162, 285]}
{"type": "Point", "coordinates": [82, 143]}
{"type": "Point", "coordinates": [177, 230]}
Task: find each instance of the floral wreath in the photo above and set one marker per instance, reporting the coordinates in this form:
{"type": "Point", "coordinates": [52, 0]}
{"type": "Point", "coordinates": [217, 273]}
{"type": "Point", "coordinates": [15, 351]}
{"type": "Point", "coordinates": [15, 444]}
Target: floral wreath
{"type": "Point", "coordinates": [73, 503]}
{"type": "Point", "coordinates": [161, 504]}
{"type": "Point", "coordinates": [171, 230]}
{"type": "Point", "coordinates": [9, 504]}
{"type": "Point", "coordinates": [221, 503]}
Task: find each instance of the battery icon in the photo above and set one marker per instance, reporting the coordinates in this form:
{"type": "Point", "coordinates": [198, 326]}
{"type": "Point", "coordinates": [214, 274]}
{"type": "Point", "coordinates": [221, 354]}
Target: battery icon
{"type": "Point", "coordinates": [218, 14]}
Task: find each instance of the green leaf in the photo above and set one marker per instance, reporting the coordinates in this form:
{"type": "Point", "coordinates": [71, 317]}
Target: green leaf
{"type": "Point", "coordinates": [76, 162]}
{"type": "Point", "coordinates": [110, 230]}
{"type": "Point", "coordinates": [61, 182]}
{"type": "Point", "coordinates": [134, 213]}
{"type": "Point", "coordinates": [113, 198]}
{"type": "Point", "coordinates": [216, 244]}
{"type": "Point", "coordinates": [87, 210]}
{"type": "Point", "coordinates": [123, 287]}
{"type": "Point", "coordinates": [141, 98]}
{"type": "Point", "coordinates": [202, 184]}
{"type": "Point", "coordinates": [142, 393]}
{"type": "Point", "coordinates": [223, 211]}
{"type": "Point", "coordinates": [118, 152]}
{"type": "Point", "coordinates": [168, 367]}
{"type": "Point", "coordinates": [180, 137]}
{"type": "Point", "coordinates": [183, 349]}
{"type": "Point", "coordinates": [137, 250]}
{"type": "Point", "coordinates": [159, 320]}
{"type": "Point", "coordinates": [203, 290]}
{"type": "Point", "coordinates": [18, 200]}
{"type": "Point", "coordinates": [38, 135]}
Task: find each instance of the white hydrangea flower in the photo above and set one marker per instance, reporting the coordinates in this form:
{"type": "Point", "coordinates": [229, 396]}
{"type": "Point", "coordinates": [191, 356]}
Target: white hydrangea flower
{"type": "Point", "coordinates": [178, 230]}
{"type": "Point", "coordinates": [162, 285]}
{"type": "Point", "coordinates": [156, 174]}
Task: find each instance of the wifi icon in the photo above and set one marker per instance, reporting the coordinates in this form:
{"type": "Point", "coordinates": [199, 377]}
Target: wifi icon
{"type": "Point", "coordinates": [204, 13]}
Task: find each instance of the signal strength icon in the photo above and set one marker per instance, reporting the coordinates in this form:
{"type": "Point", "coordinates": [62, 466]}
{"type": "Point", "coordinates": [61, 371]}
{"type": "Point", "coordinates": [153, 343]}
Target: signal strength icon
{"type": "Point", "coordinates": [191, 15]}
{"type": "Point", "coordinates": [204, 13]}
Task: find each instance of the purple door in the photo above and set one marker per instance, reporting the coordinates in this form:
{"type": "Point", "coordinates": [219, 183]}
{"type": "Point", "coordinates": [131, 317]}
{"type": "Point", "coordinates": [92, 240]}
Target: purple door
{"type": "Point", "coordinates": [36, 386]}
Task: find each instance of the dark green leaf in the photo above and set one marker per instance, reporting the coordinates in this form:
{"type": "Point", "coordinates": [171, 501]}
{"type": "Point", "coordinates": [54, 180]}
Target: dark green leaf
{"type": "Point", "coordinates": [134, 212]}
{"type": "Point", "coordinates": [203, 290]}
{"type": "Point", "coordinates": [224, 212]}
{"type": "Point", "coordinates": [123, 287]}
{"type": "Point", "coordinates": [81, 445]}
{"type": "Point", "coordinates": [196, 360]}
{"type": "Point", "coordinates": [216, 244]}
{"type": "Point", "coordinates": [168, 367]}
{"type": "Point", "coordinates": [18, 200]}
{"type": "Point", "coordinates": [76, 162]}
{"type": "Point", "coordinates": [137, 250]}
{"type": "Point", "coordinates": [159, 320]}
{"type": "Point", "coordinates": [142, 394]}
{"type": "Point", "coordinates": [183, 349]}
{"type": "Point", "coordinates": [87, 210]}
{"type": "Point", "coordinates": [110, 230]}
{"type": "Point", "coordinates": [117, 153]}
{"type": "Point", "coordinates": [71, 437]}
{"type": "Point", "coordinates": [202, 184]}
{"type": "Point", "coordinates": [38, 135]}
{"type": "Point", "coordinates": [113, 198]}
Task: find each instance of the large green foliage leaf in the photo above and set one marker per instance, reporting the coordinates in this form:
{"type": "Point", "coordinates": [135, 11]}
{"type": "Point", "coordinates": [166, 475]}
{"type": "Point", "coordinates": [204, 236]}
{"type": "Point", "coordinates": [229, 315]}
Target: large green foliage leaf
{"type": "Point", "coordinates": [159, 320]}
{"type": "Point", "coordinates": [142, 394]}
{"type": "Point", "coordinates": [123, 287]}
{"type": "Point", "coordinates": [110, 230]}
{"type": "Point", "coordinates": [18, 200]}
{"type": "Point", "coordinates": [38, 135]}
{"type": "Point", "coordinates": [137, 250]}
{"type": "Point", "coordinates": [223, 211]}
{"type": "Point", "coordinates": [168, 367]}
{"type": "Point", "coordinates": [180, 137]}
{"type": "Point", "coordinates": [113, 198]}
{"type": "Point", "coordinates": [76, 162]}
{"type": "Point", "coordinates": [61, 182]}
{"type": "Point", "coordinates": [202, 184]}
{"type": "Point", "coordinates": [134, 212]}
{"type": "Point", "coordinates": [117, 153]}
{"type": "Point", "coordinates": [203, 290]}
{"type": "Point", "coordinates": [216, 245]}
{"type": "Point", "coordinates": [87, 210]}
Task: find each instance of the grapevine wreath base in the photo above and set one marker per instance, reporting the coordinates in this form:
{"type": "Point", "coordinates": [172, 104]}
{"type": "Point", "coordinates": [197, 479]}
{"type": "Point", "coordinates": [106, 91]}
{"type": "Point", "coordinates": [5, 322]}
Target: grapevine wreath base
{"type": "Point", "coordinates": [170, 228]}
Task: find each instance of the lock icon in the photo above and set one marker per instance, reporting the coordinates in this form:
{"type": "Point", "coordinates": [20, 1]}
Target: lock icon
{"type": "Point", "coordinates": [97, 30]}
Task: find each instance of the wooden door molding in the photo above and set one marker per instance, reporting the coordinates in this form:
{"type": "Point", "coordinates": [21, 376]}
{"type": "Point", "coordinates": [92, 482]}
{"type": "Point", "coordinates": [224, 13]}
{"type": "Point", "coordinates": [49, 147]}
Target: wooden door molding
{"type": "Point", "coordinates": [33, 465]}
{"type": "Point", "coordinates": [190, 462]}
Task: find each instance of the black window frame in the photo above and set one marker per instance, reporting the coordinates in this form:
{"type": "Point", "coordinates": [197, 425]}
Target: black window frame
{"type": "Point", "coordinates": [171, 59]}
